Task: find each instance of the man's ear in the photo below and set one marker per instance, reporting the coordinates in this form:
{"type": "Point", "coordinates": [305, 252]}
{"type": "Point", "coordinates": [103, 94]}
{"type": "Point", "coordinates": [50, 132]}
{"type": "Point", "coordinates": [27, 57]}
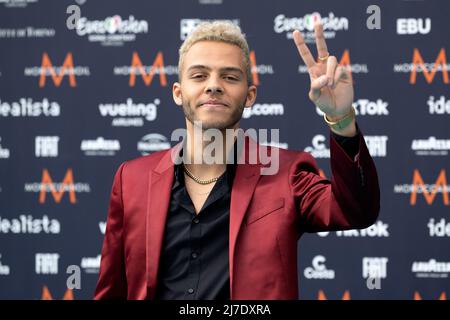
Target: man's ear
{"type": "Point", "coordinates": [176, 93]}
{"type": "Point", "coordinates": [251, 96]}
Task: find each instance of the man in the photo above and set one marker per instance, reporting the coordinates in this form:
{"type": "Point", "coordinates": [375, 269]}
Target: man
{"type": "Point", "coordinates": [226, 230]}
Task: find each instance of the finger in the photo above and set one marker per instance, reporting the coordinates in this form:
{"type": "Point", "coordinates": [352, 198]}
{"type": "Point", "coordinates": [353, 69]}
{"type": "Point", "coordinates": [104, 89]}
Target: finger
{"type": "Point", "coordinates": [332, 64]}
{"type": "Point", "coordinates": [322, 49]}
{"type": "Point", "coordinates": [306, 55]}
{"type": "Point", "coordinates": [316, 87]}
{"type": "Point", "coordinates": [341, 74]}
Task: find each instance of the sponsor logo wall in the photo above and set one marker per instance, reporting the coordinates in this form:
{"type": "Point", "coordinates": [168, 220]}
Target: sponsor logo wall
{"type": "Point", "coordinates": [77, 102]}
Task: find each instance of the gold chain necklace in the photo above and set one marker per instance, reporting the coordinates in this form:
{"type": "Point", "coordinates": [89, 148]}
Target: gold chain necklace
{"type": "Point", "coordinates": [198, 180]}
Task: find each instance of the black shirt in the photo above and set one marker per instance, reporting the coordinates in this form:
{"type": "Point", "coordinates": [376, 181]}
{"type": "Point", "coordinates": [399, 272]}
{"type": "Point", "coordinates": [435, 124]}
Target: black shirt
{"type": "Point", "coordinates": [194, 259]}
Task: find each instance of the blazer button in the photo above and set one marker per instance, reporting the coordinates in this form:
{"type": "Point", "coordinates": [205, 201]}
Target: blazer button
{"type": "Point", "coordinates": [190, 290]}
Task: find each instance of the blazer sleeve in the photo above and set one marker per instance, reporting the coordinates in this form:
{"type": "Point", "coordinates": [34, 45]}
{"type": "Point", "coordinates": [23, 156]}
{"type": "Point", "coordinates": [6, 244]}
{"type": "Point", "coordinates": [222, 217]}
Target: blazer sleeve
{"type": "Point", "coordinates": [350, 200]}
{"type": "Point", "coordinates": [112, 283]}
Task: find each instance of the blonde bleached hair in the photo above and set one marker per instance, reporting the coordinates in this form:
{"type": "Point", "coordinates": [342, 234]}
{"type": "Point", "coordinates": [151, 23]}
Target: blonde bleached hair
{"type": "Point", "coordinates": [220, 31]}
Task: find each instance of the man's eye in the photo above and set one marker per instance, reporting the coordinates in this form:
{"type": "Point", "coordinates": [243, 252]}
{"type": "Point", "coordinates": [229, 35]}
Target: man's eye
{"type": "Point", "coordinates": [198, 76]}
{"type": "Point", "coordinates": [231, 78]}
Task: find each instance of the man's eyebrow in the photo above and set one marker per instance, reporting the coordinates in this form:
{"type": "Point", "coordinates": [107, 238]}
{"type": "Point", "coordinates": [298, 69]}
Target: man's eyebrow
{"type": "Point", "coordinates": [225, 69]}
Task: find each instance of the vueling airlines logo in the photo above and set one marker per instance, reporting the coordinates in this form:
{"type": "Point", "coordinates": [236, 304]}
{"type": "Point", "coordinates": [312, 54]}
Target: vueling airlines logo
{"type": "Point", "coordinates": [46, 294]}
{"type": "Point", "coordinates": [417, 296]}
{"type": "Point", "coordinates": [57, 73]}
{"type": "Point", "coordinates": [321, 295]}
{"type": "Point", "coordinates": [57, 189]}
{"type": "Point", "coordinates": [429, 191]}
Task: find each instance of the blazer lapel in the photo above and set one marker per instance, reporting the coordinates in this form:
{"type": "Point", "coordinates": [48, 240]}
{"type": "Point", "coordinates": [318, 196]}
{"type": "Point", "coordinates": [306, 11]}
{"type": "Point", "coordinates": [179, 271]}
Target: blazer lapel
{"type": "Point", "coordinates": [244, 184]}
{"type": "Point", "coordinates": [160, 187]}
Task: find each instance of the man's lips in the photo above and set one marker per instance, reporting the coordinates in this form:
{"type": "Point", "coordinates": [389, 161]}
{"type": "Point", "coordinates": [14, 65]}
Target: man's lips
{"type": "Point", "coordinates": [213, 104]}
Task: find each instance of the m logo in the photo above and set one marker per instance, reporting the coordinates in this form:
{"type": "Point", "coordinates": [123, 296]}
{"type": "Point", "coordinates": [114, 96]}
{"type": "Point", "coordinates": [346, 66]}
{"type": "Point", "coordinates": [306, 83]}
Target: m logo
{"type": "Point", "coordinates": [46, 295]}
{"type": "Point", "coordinates": [67, 67]}
{"type": "Point", "coordinates": [321, 295]}
{"type": "Point", "coordinates": [67, 182]}
{"type": "Point", "coordinates": [429, 195]}
{"type": "Point", "coordinates": [136, 66]}
{"type": "Point", "coordinates": [417, 296]}
{"type": "Point", "coordinates": [417, 60]}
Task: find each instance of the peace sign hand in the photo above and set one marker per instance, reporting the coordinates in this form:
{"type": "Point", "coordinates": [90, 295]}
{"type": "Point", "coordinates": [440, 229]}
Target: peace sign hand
{"type": "Point", "coordinates": [331, 85]}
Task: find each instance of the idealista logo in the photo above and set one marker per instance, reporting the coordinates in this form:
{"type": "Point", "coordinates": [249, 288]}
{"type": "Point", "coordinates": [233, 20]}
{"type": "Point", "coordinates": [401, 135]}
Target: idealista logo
{"type": "Point", "coordinates": [46, 294]}
{"type": "Point", "coordinates": [4, 269]}
{"type": "Point", "coordinates": [100, 147]}
{"type": "Point", "coordinates": [111, 31]}
{"type": "Point", "coordinates": [26, 107]}
{"type": "Point", "coordinates": [188, 25]}
{"type": "Point", "coordinates": [152, 142]}
{"type": "Point", "coordinates": [344, 62]}
{"type": "Point", "coordinates": [429, 191]}
{"type": "Point", "coordinates": [428, 69]}
{"type": "Point", "coordinates": [147, 72]}
{"type": "Point", "coordinates": [129, 114]}
{"type": "Point", "coordinates": [430, 146]}
{"type": "Point", "coordinates": [413, 26]}
{"type": "Point", "coordinates": [4, 152]}
{"type": "Point", "coordinates": [264, 109]}
{"type": "Point", "coordinates": [439, 106]}
{"type": "Point", "coordinates": [91, 264]}
{"type": "Point", "coordinates": [57, 73]}
{"type": "Point", "coordinates": [318, 269]}
{"type": "Point", "coordinates": [431, 269]}
{"type": "Point", "coordinates": [17, 3]}
{"type": "Point", "coordinates": [57, 189]}
{"type": "Point", "coordinates": [26, 224]}
{"type": "Point", "coordinates": [305, 24]}
{"type": "Point", "coordinates": [377, 146]}
{"type": "Point", "coordinates": [378, 230]}
{"type": "Point", "coordinates": [439, 229]}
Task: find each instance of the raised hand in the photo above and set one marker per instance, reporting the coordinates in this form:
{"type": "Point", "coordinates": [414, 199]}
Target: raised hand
{"type": "Point", "coordinates": [331, 86]}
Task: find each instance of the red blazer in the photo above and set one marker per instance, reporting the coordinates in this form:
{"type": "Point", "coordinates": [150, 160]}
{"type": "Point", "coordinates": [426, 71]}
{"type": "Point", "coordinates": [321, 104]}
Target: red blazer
{"type": "Point", "coordinates": [268, 214]}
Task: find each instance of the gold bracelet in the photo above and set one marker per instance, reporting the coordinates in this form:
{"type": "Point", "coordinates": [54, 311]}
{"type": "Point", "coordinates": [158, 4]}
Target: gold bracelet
{"type": "Point", "coordinates": [341, 123]}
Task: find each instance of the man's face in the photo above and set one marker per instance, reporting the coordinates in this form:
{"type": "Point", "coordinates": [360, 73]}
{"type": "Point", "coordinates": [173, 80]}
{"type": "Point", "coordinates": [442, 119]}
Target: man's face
{"type": "Point", "coordinates": [214, 88]}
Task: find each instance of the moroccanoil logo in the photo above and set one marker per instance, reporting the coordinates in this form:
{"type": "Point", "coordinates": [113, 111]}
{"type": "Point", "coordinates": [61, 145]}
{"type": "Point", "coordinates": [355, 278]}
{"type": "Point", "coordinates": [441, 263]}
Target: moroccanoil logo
{"type": "Point", "coordinates": [57, 189]}
{"type": "Point", "coordinates": [418, 296]}
{"type": "Point", "coordinates": [429, 191]}
{"type": "Point", "coordinates": [139, 68]}
{"type": "Point", "coordinates": [426, 68]}
{"type": "Point", "coordinates": [345, 62]}
{"type": "Point", "coordinates": [258, 69]}
{"type": "Point", "coordinates": [46, 294]}
{"type": "Point", "coordinates": [321, 295]}
{"type": "Point", "coordinates": [57, 72]}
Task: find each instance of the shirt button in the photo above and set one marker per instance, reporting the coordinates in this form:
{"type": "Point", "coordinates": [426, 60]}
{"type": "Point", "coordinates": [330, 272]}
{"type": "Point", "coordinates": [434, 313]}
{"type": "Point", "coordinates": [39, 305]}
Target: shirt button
{"type": "Point", "coordinates": [194, 255]}
{"type": "Point", "coordinates": [196, 220]}
{"type": "Point", "coordinates": [190, 290]}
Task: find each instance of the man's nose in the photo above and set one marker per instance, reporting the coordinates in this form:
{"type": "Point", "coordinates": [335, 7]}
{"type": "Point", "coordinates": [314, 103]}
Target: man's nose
{"type": "Point", "coordinates": [213, 87]}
